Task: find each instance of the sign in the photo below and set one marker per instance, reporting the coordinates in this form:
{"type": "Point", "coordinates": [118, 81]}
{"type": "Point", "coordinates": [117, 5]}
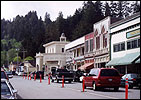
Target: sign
{"type": "Point", "coordinates": [133, 33]}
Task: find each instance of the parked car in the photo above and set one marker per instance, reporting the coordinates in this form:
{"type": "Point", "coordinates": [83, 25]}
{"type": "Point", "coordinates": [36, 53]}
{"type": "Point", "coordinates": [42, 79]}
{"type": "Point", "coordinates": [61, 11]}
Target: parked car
{"type": "Point", "coordinates": [133, 80]}
{"type": "Point", "coordinates": [77, 75]}
{"type": "Point", "coordinates": [7, 90]}
{"type": "Point", "coordinates": [9, 74]}
{"type": "Point", "coordinates": [38, 73]}
{"type": "Point", "coordinates": [68, 75]}
{"type": "Point", "coordinates": [103, 78]}
{"type": "Point", "coordinates": [20, 73]}
{"type": "Point", "coordinates": [3, 74]}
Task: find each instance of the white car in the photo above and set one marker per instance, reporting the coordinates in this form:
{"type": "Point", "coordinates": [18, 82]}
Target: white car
{"type": "Point", "coordinates": [21, 73]}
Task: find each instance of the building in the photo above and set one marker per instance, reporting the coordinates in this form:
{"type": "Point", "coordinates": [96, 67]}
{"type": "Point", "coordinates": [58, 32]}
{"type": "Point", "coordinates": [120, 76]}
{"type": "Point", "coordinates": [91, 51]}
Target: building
{"type": "Point", "coordinates": [125, 45]}
{"type": "Point", "coordinates": [54, 56]}
{"type": "Point", "coordinates": [75, 52]}
{"type": "Point", "coordinates": [101, 42]}
{"type": "Point", "coordinates": [88, 53]}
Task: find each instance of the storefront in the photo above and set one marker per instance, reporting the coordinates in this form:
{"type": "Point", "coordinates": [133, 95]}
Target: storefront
{"type": "Point", "coordinates": [125, 45]}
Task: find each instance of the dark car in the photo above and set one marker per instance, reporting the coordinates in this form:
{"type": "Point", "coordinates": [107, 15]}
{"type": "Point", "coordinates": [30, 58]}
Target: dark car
{"type": "Point", "coordinates": [38, 73]}
{"type": "Point", "coordinates": [133, 80]}
{"type": "Point", "coordinates": [77, 75]}
{"type": "Point", "coordinates": [68, 75]}
{"type": "Point", "coordinates": [3, 74]}
{"type": "Point", "coordinates": [7, 90]}
{"type": "Point", "coordinates": [103, 78]}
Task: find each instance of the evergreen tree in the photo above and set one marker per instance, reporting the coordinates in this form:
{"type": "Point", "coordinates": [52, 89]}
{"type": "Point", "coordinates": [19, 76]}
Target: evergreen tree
{"type": "Point", "coordinates": [135, 7]}
{"type": "Point", "coordinates": [107, 10]}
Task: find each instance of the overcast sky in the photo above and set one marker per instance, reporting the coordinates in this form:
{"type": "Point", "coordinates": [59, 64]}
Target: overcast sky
{"type": "Point", "coordinates": [10, 9]}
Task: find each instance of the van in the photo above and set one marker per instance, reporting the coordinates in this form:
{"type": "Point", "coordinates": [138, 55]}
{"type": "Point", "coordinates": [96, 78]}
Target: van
{"type": "Point", "coordinates": [103, 78]}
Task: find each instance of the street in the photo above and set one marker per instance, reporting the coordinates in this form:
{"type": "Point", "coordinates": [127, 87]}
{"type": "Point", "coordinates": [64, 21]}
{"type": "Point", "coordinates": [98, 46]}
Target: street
{"type": "Point", "coordinates": [30, 89]}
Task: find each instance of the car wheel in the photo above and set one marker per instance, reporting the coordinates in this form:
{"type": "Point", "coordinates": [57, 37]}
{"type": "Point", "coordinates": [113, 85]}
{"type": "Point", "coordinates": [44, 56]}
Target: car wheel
{"type": "Point", "coordinates": [94, 86]}
{"type": "Point", "coordinates": [116, 88]}
{"type": "Point", "coordinates": [69, 81]}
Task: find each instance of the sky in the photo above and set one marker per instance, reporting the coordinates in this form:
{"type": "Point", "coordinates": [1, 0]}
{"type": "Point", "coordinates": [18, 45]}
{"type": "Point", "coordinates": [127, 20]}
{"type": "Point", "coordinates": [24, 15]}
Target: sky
{"type": "Point", "coordinates": [10, 9]}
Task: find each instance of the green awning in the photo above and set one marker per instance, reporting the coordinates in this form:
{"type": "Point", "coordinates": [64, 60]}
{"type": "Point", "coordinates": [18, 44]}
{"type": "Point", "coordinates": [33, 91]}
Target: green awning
{"type": "Point", "coordinates": [113, 62]}
{"type": "Point", "coordinates": [129, 58]}
{"type": "Point", "coordinates": [126, 60]}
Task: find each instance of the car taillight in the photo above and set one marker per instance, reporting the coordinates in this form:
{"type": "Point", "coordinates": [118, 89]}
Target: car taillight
{"type": "Point", "coordinates": [133, 79]}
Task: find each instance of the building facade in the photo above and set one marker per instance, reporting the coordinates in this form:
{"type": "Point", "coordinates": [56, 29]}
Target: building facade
{"type": "Point", "coordinates": [125, 45]}
{"type": "Point", "coordinates": [75, 52]}
{"type": "Point", "coordinates": [101, 42]}
{"type": "Point", "coordinates": [54, 56]}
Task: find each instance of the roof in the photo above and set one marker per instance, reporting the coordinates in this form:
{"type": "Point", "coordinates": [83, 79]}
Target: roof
{"type": "Point", "coordinates": [125, 20]}
{"type": "Point", "coordinates": [54, 42]}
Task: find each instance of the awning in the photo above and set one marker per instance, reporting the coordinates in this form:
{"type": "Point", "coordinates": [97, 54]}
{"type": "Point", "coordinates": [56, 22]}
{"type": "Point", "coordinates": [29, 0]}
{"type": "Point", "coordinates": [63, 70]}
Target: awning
{"type": "Point", "coordinates": [113, 62]}
{"type": "Point", "coordinates": [129, 58]}
{"type": "Point", "coordinates": [86, 66]}
{"type": "Point", "coordinates": [126, 60]}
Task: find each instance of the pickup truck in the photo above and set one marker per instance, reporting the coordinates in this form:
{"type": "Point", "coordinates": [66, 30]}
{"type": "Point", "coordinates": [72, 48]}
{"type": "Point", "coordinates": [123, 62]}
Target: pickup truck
{"type": "Point", "coordinates": [57, 75]}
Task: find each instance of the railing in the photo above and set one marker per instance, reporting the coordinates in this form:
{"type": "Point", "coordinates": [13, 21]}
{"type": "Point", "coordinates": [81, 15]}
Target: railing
{"type": "Point", "coordinates": [102, 51]}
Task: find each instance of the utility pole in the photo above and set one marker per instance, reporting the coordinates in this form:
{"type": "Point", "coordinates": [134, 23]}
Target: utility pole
{"type": "Point", "coordinates": [24, 51]}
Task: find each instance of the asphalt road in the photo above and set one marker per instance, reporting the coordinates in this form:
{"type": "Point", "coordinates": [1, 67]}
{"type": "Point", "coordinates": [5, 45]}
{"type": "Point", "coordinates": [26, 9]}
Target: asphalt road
{"type": "Point", "coordinates": [30, 89]}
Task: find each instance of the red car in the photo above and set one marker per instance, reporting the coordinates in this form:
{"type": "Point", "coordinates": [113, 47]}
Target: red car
{"type": "Point", "coordinates": [103, 78]}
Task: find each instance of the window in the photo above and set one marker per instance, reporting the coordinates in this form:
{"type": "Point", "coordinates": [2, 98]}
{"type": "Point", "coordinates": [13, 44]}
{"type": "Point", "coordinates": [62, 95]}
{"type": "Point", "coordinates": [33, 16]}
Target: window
{"type": "Point", "coordinates": [91, 45]}
{"type": "Point", "coordinates": [97, 42]}
{"type": "Point", "coordinates": [62, 49]}
{"type": "Point", "coordinates": [86, 46]}
{"type": "Point", "coordinates": [133, 44]}
{"type": "Point", "coordinates": [119, 47]}
{"type": "Point", "coordinates": [109, 72]}
{"type": "Point", "coordinates": [104, 41]}
{"type": "Point", "coordinates": [82, 50]}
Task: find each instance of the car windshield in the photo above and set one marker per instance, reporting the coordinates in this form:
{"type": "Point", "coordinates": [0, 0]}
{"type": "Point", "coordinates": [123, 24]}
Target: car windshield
{"type": "Point", "coordinates": [5, 89]}
{"type": "Point", "coordinates": [3, 75]}
{"type": "Point", "coordinates": [109, 72]}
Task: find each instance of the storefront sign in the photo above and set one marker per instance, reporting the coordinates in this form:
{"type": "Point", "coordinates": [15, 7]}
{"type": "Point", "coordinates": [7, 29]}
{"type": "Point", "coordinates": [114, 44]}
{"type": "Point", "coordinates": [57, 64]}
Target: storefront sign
{"type": "Point", "coordinates": [133, 33]}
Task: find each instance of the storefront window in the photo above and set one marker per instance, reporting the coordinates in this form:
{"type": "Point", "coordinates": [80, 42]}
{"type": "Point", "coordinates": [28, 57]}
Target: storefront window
{"type": "Point", "coordinates": [119, 47]}
{"type": "Point", "coordinates": [133, 44]}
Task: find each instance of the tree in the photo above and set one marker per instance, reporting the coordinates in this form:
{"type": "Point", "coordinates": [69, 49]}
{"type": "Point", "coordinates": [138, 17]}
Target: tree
{"type": "Point", "coordinates": [29, 58]}
{"type": "Point", "coordinates": [135, 7]}
{"type": "Point", "coordinates": [123, 9]}
{"type": "Point", "coordinates": [107, 10]}
{"type": "Point", "coordinates": [17, 59]}
{"type": "Point", "coordinates": [47, 19]}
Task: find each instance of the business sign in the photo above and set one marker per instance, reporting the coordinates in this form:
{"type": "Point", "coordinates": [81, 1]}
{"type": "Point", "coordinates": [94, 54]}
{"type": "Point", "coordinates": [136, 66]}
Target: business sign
{"type": "Point", "coordinates": [133, 33]}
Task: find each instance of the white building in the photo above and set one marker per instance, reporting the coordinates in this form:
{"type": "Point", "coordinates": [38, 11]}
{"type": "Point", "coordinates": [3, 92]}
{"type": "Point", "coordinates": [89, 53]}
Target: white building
{"type": "Point", "coordinates": [101, 42]}
{"type": "Point", "coordinates": [125, 44]}
{"type": "Point", "coordinates": [54, 55]}
{"type": "Point", "coordinates": [75, 52]}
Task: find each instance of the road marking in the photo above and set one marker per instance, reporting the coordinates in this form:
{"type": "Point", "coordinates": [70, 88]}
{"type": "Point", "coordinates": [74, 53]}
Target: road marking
{"type": "Point", "coordinates": [95, 94]}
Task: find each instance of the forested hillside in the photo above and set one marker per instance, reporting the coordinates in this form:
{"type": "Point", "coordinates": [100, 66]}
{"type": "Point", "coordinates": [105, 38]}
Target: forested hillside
{"type": "Point", "coordinates": [30, 32]}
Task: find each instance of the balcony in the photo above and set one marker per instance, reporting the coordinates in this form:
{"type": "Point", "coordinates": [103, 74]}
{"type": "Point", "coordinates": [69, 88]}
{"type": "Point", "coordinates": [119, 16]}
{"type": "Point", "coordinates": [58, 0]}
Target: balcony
{"type": "Point", "coordinates": [101, 52]}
